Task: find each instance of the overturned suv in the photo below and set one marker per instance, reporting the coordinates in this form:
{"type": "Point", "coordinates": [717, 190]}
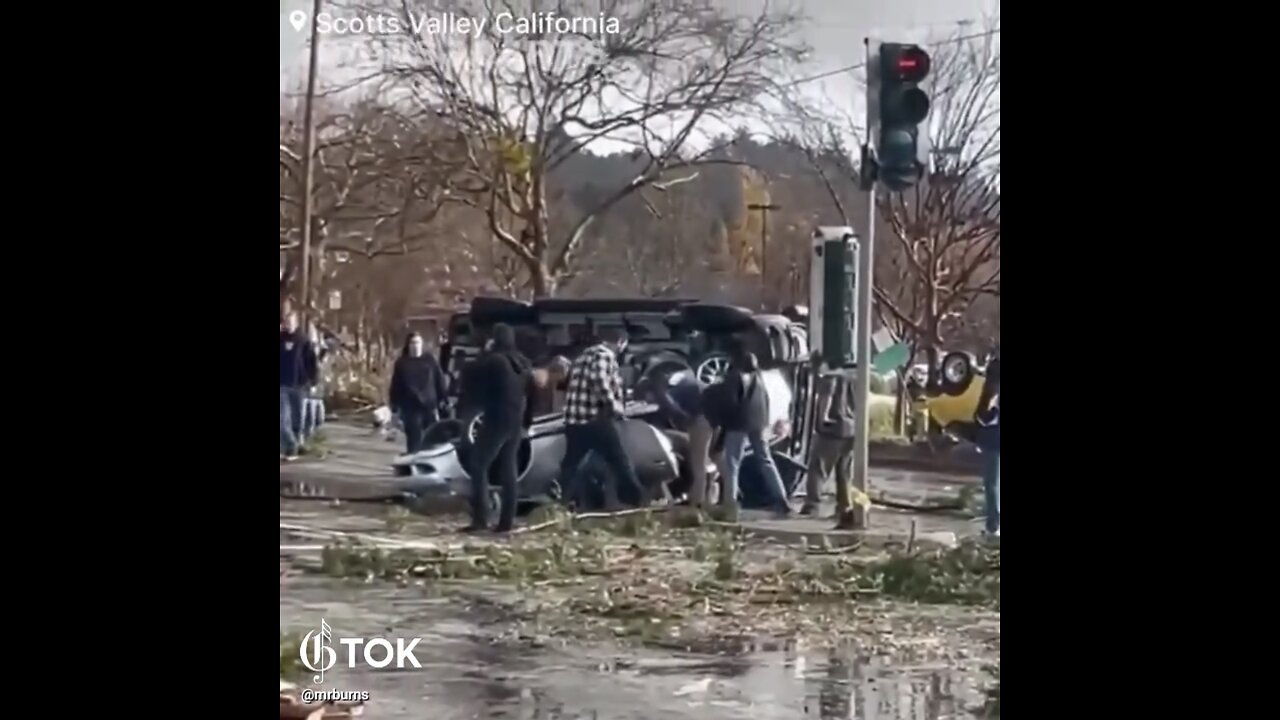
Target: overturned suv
{"type": "Point", "coordinates": [657, 450]}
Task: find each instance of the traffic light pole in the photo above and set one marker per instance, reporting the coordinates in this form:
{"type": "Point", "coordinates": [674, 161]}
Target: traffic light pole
{"type": "Point", "coordinates": [862, 328]}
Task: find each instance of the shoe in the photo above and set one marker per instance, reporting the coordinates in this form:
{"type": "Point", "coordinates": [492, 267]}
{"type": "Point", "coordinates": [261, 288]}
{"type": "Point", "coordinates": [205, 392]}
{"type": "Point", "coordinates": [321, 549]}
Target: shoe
{"type": "Point", "coordinates": [290, 458]}
{"type": "Point", "coordinates": [784, 513]}
{"type": "Point", "coordinates": [809, 510]}
{"type": "Point", "coordinates": [472, 529]}
{"type": "Point", "coordinates": [503, 528]}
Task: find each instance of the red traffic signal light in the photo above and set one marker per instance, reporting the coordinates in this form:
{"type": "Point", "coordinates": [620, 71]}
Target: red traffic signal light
{"type": "Point", "coordinates": [904, 63]}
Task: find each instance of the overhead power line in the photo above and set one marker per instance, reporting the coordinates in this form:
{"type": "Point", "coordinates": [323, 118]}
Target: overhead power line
{"type": "Point", "coordinates": [847, 68]}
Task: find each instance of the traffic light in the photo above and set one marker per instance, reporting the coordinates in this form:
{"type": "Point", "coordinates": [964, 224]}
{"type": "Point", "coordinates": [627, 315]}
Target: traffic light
{"type": "Point", "coordinates": [899, 106]}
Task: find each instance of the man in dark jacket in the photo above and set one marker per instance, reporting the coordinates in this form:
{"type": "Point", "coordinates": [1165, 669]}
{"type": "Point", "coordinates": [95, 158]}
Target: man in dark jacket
{"type": "Point", "coordinates": [298, 374]}
{"type": "Point", "coordinates": [500, 385]}
{"type": "Point", "coordinates": [418, 389]}
{"type": "Point", "coordinates": [745, 417]}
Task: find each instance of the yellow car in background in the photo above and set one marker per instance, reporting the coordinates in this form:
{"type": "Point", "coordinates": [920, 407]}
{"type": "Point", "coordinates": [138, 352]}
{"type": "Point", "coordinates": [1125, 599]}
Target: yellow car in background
{"type": "Point", "coordinates": [954, 402]}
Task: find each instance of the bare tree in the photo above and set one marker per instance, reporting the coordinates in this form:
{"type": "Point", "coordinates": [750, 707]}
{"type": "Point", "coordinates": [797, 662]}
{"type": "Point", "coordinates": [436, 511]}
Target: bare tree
{"type": "Point", "coordinates": [380, 186]}
{"type": "Point", "coordinates": [659, 243]}
{"type": "Point", "coordinates": [947, 228]}
{"type": "Point", "coordinates": [938, 244]}
{"type": "Point", "coordinates": [659, 75]}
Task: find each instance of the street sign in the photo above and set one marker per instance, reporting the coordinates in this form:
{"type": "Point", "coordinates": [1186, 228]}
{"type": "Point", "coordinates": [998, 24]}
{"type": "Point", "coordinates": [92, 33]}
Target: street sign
{"type": "Point", "coordinates": [891, 359]}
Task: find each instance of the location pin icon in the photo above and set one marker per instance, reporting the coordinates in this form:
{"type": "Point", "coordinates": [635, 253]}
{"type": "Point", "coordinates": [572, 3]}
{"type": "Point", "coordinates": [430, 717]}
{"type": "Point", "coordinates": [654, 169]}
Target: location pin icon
{"type": "Point", "coordinates": [297, 19]}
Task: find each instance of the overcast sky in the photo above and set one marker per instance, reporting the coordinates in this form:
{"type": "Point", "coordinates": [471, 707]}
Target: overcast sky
{"type": "Point", "coordinates": [835, 31]}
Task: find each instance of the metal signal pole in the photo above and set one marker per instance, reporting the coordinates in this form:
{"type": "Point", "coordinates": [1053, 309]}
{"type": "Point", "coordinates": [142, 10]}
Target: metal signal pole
{"type": "Point", "coordinates": [862, 328]}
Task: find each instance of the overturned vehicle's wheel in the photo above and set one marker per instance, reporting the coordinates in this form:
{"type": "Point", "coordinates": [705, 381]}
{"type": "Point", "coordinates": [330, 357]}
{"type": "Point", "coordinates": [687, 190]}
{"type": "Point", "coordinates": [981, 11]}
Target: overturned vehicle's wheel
{"type": "Point", "coordinates": [957, 373]}
{"type": "Point", "coordinates": [712, 369]}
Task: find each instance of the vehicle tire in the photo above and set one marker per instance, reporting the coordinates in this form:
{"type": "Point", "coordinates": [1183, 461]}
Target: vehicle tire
{"type": "Point", "coordinates": [957, 373]}
{"type": "Point", "coordinates": [710, 317]}
{"type": "Point", "coordinates": [495, 502]}
{"type": "Point", "coordinates": [712, 368]}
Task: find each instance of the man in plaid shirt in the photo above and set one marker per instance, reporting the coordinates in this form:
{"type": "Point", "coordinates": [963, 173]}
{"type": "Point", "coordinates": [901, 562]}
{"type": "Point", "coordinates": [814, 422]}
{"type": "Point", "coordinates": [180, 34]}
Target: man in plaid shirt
{"type": "Point", "coordinates": [593, 405]}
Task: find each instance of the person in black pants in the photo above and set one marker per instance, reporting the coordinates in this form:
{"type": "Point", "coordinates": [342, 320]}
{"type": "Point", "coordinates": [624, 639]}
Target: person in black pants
{"type": "Point", "coordinates": [418, 389]}
{"type": "Point", "coordinates": [593, 408]}
{"type": "Point", "coordinates": [500, 384]}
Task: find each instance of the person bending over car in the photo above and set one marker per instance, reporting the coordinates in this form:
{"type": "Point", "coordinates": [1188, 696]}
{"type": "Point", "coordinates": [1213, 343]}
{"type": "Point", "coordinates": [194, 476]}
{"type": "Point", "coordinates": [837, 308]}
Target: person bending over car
{"type": "Point", "coordinates": [744, 424]}
{"type": "Point", "coordinates": [593, 407]}
{"type": "Point", "coordinates": [501, 383]}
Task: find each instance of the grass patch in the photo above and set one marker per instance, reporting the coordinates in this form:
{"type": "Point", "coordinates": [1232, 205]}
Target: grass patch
{"type": "Point", "coordinates": [880, 420]}
{"type": "Point", "coordinates": [315, 446]}
{"type": "Point", "coordinates": [968, 574]}
{"type": "Point", "coordinates": [290, 658]}
{"type": "Point", "coordinates": [671, 578]}
{"type": "Point", "coordinates": [641, 547]}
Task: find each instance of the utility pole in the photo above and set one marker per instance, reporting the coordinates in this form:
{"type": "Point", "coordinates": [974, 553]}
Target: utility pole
{"type": "Point", "coordinates": [308, 150]}
{"type": "Point", "coordinates": [764, 209]}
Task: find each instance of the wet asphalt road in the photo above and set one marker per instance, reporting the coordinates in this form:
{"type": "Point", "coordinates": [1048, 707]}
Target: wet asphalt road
{"type": "Point", "coordinates": [466, 673]}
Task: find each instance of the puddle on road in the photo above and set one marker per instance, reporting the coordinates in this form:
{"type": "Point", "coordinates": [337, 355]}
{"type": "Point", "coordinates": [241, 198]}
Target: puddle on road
{"type": "Point", "coordinates": [465, 675]}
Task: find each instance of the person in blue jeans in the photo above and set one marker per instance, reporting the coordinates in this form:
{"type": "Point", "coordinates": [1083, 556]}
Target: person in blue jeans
{"type": "Point", "coordinates": [298, 374]}
{"type": "Point", "coordinates": [744, 426]}
{"type": "Point", "coordinates": [988, 440]}
{"type": "Point", "coordinates": [313, 401]}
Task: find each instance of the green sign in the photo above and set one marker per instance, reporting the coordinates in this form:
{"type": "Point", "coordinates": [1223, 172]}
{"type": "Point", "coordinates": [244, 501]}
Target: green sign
{"type": "Point", "coordinates": [893, 357]}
